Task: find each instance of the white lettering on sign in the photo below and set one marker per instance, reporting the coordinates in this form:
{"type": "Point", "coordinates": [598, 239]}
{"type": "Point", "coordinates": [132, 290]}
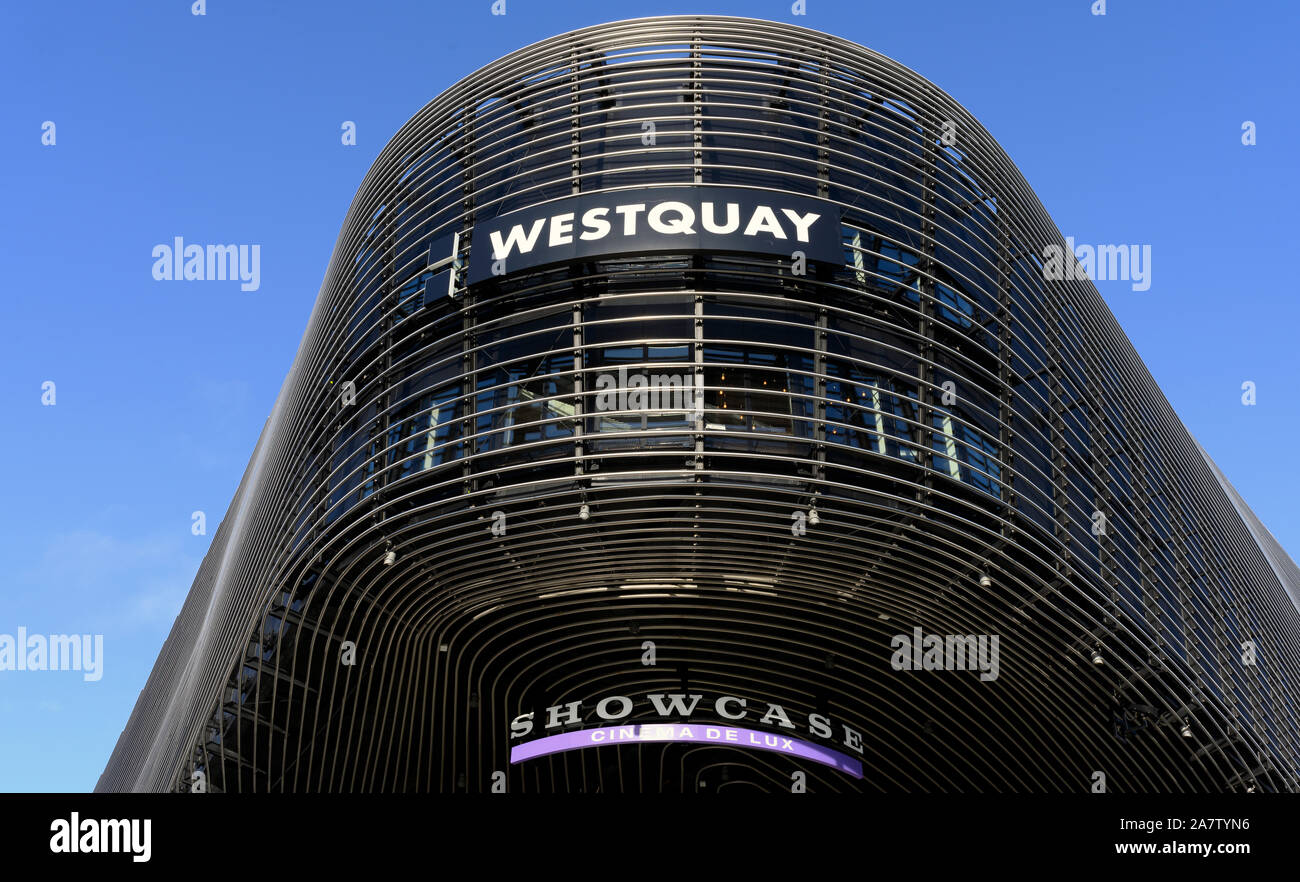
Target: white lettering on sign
{"type": "Point", "coordinates": [669, 218]}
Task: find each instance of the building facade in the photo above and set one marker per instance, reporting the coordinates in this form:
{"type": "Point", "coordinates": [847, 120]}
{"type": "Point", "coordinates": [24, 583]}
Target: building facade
{"type": "Point", "coordinates": [687, 407]}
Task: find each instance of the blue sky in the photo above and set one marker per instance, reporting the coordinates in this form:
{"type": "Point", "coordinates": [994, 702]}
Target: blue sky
{"type": "Point", "coordinates": [226, 128]}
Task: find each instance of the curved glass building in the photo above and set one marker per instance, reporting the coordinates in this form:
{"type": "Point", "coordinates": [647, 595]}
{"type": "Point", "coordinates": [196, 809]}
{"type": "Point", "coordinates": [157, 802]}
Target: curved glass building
{"type": "Point", "coordinates": [689, 406]}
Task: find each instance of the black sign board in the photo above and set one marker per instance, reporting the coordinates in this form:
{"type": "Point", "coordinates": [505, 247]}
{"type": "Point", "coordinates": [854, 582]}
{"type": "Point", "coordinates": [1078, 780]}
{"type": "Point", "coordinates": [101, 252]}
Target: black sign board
{"type": "Point", "coordinates": [656, 220]}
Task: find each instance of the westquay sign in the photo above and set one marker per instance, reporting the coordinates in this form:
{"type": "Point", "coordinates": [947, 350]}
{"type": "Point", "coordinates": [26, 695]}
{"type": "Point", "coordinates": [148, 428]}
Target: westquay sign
{"type": "Point", "coordinates": [656, 220]}
{"type": "Point", "coordinates": [619, 707]}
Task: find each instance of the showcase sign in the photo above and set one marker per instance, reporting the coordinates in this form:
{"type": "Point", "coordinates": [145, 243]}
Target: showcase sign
{"type": "Point", "coordinates": [615, 708]}
{"type": "Point", "coordinates": [656, 220]}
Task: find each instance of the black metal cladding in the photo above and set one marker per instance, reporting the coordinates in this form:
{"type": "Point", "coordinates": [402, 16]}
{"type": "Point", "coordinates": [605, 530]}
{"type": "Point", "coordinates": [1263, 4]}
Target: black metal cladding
{"type": "Point", "coordinates": [477, 406]}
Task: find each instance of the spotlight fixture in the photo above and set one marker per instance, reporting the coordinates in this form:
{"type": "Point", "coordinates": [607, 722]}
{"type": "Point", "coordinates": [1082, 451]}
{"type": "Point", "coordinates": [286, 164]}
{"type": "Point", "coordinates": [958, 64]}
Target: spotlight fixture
{"type": "Point", "coordinates": [584, 512]}
{"type": "Point", "coordinates": [985, 581]}
{"type": "Point", "coordinates": [1187, 729]}
{"type": "Point", "coordinates": [1096, 657]}
{"type": "Point", "coordinates": [390, 558]}
{"type": "Point", "coordinates": [813, 518]}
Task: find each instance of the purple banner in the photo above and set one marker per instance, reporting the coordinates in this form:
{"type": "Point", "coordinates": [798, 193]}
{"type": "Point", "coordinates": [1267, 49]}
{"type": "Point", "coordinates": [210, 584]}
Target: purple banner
{"type": "Point", "coordinates": [694, 732]}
